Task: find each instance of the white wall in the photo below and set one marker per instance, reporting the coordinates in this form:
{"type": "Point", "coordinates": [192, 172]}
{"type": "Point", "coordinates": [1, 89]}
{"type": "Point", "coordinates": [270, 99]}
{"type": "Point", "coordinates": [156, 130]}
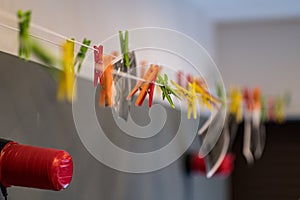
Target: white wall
{"type": "Point", "coordinates": [262, 53]}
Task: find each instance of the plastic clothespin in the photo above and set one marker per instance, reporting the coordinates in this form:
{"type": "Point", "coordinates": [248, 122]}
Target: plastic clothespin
{"type": "Point", "coordinates": [247, 99]}
{"type": "Point", "coordinates": [190, 79]}
{"type": "Point", "coordinates": [81, 54]}
{"type": "Point", "coordinates": [24, 39]}
{"type": "Point", "coordinates": [98, 67]}
{"type": "Point", "coordinates": [146, 87]}
{"type": "Point", "coordinates": [206, 98]}
{"type": "Point", "coordinates": [263, 109]}
{"type": "Point", "coordinates": [236, 98]}
{"type": "Point", "coordinates": [256, 98]}
{"type": "Point", "coordinates": [65, 88]}
{"type": "Point", "coordinates": [220, 94]}
{"type": "Point", "coordinates": [166, 89]}
{"type": "Point", "coordinates": [279, 110]}
{"type": "Point", "coordinates": [124, 47]}
{"type": "Point", "coordinates": [180, 74]}
{"type": "Point", "coordinates": [271, 109]}
{"type": "Point", "coordinates": [192, 102]}
{"type": "Point", "coordinates": [106, 83]}
{"type": "Point", "coordinates": [190, 96]}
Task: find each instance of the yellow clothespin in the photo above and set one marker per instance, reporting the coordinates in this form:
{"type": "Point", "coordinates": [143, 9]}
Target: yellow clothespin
{"type": "Point", "coordinates": [190, 96]}
{"type": "Point", "coordinates": [279, 110]}
{"type": "Point", "coordinates": [65, 88]}
{"type": "Point", "coordinates": [206, 98]}
{"type": "Point", "coordinates": [236, 98]}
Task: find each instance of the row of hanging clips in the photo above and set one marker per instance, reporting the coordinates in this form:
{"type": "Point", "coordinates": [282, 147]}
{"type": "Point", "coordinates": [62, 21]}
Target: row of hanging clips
{"type": "Point", "coordinates": [107, 73]}
{"type": "Point", "coordinates": [246, 104]}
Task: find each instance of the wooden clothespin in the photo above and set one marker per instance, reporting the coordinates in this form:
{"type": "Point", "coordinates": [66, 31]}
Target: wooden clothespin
{"type": "Point", "coordinates": [106, 83]}
{"type": "Point", "coordinates": [124, 47]}
{"type": "Point", "coordinates": [65, 88]}
{"type": "Point", "coordinates": [190, 96]}
{"type": "Point", "coordinates": [24, 38]}
{"type": "Point", "coordinates": [146, 87]}
{"type": "Point", "coordinates": [166, 89]}
{"type": "Point", "coordinates": [98, 66]}
{"type": "Point", "coordinates": [81, 54]}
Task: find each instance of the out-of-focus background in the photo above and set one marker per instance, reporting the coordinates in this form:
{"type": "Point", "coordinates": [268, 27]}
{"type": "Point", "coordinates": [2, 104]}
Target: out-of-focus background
{"type": "Point", "coordinates": [254, 43]}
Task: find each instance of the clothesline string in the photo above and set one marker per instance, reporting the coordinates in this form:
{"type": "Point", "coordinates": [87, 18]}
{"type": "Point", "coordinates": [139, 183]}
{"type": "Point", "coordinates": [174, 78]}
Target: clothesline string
{"type": "Point", "coordinates": [115, 72]}
{"type": "Point", "coordinates": [46, 30]}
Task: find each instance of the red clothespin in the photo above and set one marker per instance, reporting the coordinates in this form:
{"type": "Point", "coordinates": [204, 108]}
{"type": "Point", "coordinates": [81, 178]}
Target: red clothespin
{"type": "Point", "coordinates": [98, 67]}
{"type": "Point", "coordinates": [180, 74]}
{"type": "Point", "coordinates": [146, 87]}
{"type": "Point", "coordinates": [190, 79]}
{"type": "Point", "coordinates": [248, 99]}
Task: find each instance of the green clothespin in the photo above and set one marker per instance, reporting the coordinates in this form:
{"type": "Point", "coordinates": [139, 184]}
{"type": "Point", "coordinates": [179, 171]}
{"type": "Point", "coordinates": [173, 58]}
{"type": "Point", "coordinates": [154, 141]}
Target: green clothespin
{"type": "Point", "coordinates": [43, 55]}
{"type": "Point", "coordinates": [24, 40]}
{"type": "Point", "coordinates": [220, 93]}
{"type": "Point", "coordinates": [166, 89]}
{"type": "Point", "coordinates": [124, 47]}
{"type": "Point", "coordinates": [263, 108]}
{"type": "Point", "coordinates": [81, 54]}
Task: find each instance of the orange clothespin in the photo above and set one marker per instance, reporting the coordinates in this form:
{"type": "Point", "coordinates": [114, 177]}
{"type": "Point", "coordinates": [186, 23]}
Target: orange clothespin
{"type": "Point", "coordinates": [106, 83]}
{"type": "Point", "coordinates": [146, 87]}
{"type": "Point", "coordinates": [98, 67]}
{"type": "Point", "coordinates": [256, 98]}
{"type": "Point", "coordinates": [65, 87]}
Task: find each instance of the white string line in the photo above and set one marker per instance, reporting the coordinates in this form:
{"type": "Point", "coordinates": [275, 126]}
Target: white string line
{"type": "Point", "coordinates": [12, 17]}
{"type": "Point", "coordinates": [66, 38]}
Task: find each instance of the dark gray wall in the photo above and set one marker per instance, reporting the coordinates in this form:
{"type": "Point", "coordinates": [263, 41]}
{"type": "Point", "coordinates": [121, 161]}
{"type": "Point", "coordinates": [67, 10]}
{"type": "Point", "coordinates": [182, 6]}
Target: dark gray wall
{"type": "Point", "coordinates": [30, 114]}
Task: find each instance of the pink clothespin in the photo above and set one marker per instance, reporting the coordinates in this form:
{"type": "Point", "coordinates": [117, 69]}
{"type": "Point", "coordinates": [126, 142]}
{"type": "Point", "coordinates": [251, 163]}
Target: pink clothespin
{"type": "Point", "coordinates": [180, 74]}
{"type": "Point", "coordinates": [98, 67]}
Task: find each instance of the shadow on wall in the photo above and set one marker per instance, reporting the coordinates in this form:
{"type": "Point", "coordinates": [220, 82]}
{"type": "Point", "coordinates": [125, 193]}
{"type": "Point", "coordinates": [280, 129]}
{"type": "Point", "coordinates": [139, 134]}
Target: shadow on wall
{"type": "Point", "coordinates": [31, 115]}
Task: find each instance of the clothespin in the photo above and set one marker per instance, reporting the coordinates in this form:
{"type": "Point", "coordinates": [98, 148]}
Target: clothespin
{"type": "Point", "coordinates": [256, 98]}
{"type": "Point", "coordinates": [24, 39]}
{"type": "Point", "coordinates": [236, 108]}
{"type": "Point", "coordinates": [247, 127]}
{"type": "Point", "coordinates": [81, 54]}
{"type": "Point", "coordinates": [143, 65]}
{"type": "Point", "coordinates": [106, 83]}
{"type": "Point", "coordinates": [190, 96]}
{"type": "Point", "coordinates": [146, 87]}
{"type": "Point", "coordinates": [220, 94]}
{"type": "Point", "coordinates": [166, 89]}
{"type": "Point", "coordinates": [65, 88]}
{"type": "Point", "coordinates": [271, 109]}
{"type": "Point", "coordinates": [263, 108]}
{"type": "Point", "coordinates": [124, 47]}
{"type": "Point", "coordinates": [279, 109]}
{"type": "Point", "coordinates": [98, 66]}
{"type": "Point", "coordinates": [190, 79]}
{"type": "Point", "coordinates": [180, 74]}
{"type": "Point", "coordinates": [248, 99]}
{"type": "Point", "coordinates": [206, 98]}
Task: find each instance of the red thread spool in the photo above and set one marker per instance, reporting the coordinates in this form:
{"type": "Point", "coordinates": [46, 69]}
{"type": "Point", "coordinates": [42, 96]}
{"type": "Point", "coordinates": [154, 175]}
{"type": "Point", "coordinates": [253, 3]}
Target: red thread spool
{"type": "Point", "coordinates": [35, 167]}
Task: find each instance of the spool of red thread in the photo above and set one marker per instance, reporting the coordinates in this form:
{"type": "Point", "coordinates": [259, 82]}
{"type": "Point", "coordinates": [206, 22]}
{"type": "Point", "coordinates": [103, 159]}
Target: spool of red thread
{"type": "Point", "coordinates": [35, 167]}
